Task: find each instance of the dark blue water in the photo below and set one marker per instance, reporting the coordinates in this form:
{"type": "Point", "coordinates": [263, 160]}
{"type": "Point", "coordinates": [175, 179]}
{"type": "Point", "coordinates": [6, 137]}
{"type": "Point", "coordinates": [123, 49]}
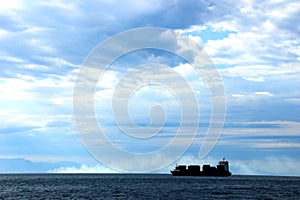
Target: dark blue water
{"type": "Point", "coordinates": [146, 186]}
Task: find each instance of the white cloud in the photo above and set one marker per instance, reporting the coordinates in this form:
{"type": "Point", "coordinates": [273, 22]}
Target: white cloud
{"type": "Point", "coordinates": [84, 169]}
{"type": "Point", "coordinates": [25, 87]}
{"type": "Point", "coordinates": [269, 41]}
{"type": "Point", "coordinates": [293, 100]}
{"type": "Point", "coordinates": [14, 89]}
{"type": "Point", "coordinates": [278, 122]}
{"type": "Point", "coordinates": [268, 166]}
{"type": "Point", "coordinates": [3, 33]}
{"type": "Point", "coordinates": [40, 46]}
{"type": "Point", "coordinates": [13, 4]}
{"type": "Point", "coordinates": [66, 101]}
{"type": "Point", "coordinates": [255, 79]}
{"type": "Point", "coordinates": [272, 145]}
{"type": "Point", "coordinates": [264, 94]}
{"type": "Point", "coordinates": [64, 7]}
{"type": "Point", "coordinates": [261, 128]}
{"type": "Point", "coordinates": [109, 79]}
{"type": "Point", "coordinates": [8, 58]}
{"type": "Point", "coordinates": [56, 60]}
{"type": "Point", "coordinates": [238, 95]}
{"type": "Point", "coordinates": [251, 96]}
{"type": "Point", "coordinates": [252, 47]}
{"type": "Point", "coordinates": [259, 73]}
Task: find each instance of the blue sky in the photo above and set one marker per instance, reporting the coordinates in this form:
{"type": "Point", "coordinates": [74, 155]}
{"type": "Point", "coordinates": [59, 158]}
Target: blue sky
{"type": "Point", "coordinates": [254, 45]}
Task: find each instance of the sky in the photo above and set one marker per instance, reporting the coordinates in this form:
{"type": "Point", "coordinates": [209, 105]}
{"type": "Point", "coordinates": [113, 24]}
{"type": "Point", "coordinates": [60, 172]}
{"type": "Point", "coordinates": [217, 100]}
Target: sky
{"type": "Point", "coordinates": [255, 49]}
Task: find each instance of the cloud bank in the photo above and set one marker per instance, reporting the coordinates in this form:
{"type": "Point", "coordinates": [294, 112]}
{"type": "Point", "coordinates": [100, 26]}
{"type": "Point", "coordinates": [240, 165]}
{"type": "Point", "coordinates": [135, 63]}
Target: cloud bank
{"type": "Point", "coordinates": [254, 45]}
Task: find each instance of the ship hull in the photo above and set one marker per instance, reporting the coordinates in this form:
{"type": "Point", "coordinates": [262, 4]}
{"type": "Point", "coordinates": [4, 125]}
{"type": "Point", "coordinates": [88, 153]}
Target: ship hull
{"type": "Point", "coordinates": [178, 173]}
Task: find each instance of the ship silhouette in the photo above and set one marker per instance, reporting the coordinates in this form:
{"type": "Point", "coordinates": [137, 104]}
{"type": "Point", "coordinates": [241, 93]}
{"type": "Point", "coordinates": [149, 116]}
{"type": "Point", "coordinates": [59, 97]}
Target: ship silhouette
{"type": "Point", "coordinates": [222, 169]}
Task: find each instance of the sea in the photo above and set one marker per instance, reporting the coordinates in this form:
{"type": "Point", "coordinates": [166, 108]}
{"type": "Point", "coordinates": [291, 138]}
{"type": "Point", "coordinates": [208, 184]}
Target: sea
{"type": "Point", "coordinates": [146, 186]}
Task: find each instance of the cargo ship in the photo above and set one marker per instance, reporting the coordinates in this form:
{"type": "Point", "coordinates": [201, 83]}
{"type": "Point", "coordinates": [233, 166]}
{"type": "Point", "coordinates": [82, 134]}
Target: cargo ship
{"type": "Point", "coordinates": [222, 169]}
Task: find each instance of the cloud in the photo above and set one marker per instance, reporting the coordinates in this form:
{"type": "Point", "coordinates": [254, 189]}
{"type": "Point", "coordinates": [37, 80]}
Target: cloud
{"type": "Point", "coordinates": [258, 62]}
{"type": "Point", "coordinates": [259, 71]}
{"type": "Point", "coordinates": [261, 129]}
{"type": "Point", "coordinates": [264, 94]}
{"type": "Point", "coordinates": [255, 46]}
{"type": "Point", "coordinates": [267, 166]}
{"type": "Point", "coordinates": [273, 145]}
{"type": "Point", "coordinates": [83, 169]}
{"type": "Point", "coordinates": [255, 79]}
